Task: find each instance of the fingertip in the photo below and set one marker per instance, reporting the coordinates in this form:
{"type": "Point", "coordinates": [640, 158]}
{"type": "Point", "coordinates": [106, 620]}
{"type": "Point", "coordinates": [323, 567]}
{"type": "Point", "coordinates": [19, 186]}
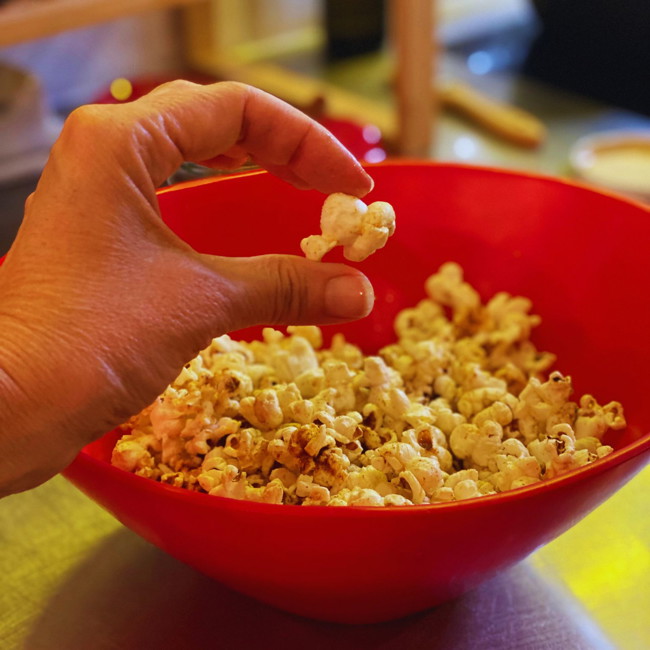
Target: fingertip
{"type": "Point", "coordinates": [367, 184]}
{"type": "Point", "coordinates": [349, 296]}
{"type": "Point", "coordinates": [356, 181]}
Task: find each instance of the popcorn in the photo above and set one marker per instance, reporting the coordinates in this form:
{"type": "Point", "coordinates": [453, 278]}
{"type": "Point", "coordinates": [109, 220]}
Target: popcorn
{"type": "Point", "coordinates": [347, 221]}
{"type": "Point", "coordinates": [447, 288]}
{"type": "Point", "coordinates": [262, 411]}
{"type": "Point", "coordinates": [358, 497]}
{"type": "Point", "coordinates": [457, 408]}
{"type": "Point", "coordinates": [542, 405]}
{"type": "Point", "coordinates": [426, 471]}
{"type": "Point", "coordinates": [476, 444]}
{"type": "Point", "coordinates": [514, 465]}
{"type": "Point", "coordinates": [132, 453]}
{"type": "Point", "coordinates": [464, 484]}
{"type": "Point", "coordinates": [313, 493]}
{"type": "Point", "coordinates": [594, 420]}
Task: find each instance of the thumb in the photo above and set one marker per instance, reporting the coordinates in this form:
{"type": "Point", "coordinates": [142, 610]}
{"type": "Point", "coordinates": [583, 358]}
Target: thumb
{"type": "Point", "coordinates": [290, 290]}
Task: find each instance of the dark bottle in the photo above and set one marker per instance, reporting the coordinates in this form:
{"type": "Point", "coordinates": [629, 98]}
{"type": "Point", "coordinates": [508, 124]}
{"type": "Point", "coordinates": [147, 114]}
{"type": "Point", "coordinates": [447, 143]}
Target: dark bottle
{"type": "Point", "coordinates": [353, 27]}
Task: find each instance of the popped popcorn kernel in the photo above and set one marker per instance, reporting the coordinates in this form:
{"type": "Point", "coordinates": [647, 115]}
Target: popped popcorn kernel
{"type": "Point", "coordinates": [458, 407]}
{"type": "Point", "coordinates": [347, 221]}
{"type": "Point", "coordinates": [594, 420]}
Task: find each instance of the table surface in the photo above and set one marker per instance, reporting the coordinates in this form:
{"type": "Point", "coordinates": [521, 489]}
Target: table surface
{"type": "Point", "coordinates": [73, 577]}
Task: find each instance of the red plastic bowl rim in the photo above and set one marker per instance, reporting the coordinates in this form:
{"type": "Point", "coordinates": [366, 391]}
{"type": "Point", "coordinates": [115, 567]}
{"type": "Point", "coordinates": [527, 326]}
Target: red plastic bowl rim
{"type": "Point", "coordinates": [414, 162]}
{"type": "Point", "coordinates": [599, 466]}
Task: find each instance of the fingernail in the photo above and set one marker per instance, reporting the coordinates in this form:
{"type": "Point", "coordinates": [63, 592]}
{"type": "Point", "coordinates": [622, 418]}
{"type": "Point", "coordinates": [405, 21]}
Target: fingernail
{"type": "Point", "coordinates": [349, 296]}
{"type": "Point", "coordinates": [371, 183]}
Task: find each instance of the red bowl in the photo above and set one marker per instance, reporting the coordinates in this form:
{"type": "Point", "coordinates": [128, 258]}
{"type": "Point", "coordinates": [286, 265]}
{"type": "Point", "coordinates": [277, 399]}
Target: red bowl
{"type": "Point", "coordinates": [581, 256]}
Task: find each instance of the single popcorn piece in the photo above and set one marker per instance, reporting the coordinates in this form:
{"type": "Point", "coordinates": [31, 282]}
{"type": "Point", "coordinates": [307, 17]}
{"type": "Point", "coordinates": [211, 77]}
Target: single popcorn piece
{"type": "Point", "coordinates": [347, 221]}
{"type": "Point", "coordinates": [594, 420]}
{"type": "Point", "coordinates": [476, 444]}
{"type": "Point", "coordinates": [131, 454]}
{"type": "Point", "coordinates": [448, 288]}
{"type": "Point", "coordinates": [458, 407]}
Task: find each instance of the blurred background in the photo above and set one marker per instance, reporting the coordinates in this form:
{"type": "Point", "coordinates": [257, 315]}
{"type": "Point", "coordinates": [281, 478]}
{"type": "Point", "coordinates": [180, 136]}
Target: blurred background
{"type": "Point", "coordinates": [511, 83]}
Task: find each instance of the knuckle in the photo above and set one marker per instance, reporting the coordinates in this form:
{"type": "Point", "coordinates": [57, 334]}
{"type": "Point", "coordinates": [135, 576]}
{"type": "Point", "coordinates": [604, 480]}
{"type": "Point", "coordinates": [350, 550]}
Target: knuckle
{"type": "Point", "coordinates": [235, 87]}
{"type": "Point", "coordinates": [90, 127]}
{"type": "Point", "coordinates": [84, 119]}
{"type": "Point", "coordinates": [290, 295]}
{"type": "Point", "coordinates": [28, 201]}
{"type": "Point", "coordinates": [174, 86]}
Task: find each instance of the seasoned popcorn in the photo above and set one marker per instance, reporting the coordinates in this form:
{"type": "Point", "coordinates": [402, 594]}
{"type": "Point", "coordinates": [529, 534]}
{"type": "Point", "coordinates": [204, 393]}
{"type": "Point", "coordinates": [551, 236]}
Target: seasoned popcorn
{"type": "Point", "coordinates": [457, 408]}
{"type": "Point", "coordinates": [347, 221]}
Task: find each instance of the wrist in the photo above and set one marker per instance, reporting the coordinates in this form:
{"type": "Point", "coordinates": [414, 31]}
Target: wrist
{"type": "Point", "coordinates": [40, 417]}
{"type": "Point", "coordinates": [21, 420]}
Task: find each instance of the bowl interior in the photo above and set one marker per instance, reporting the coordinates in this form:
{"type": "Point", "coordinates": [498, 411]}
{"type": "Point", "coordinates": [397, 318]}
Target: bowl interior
{"type": "Point", "coordinates": [580, 255]}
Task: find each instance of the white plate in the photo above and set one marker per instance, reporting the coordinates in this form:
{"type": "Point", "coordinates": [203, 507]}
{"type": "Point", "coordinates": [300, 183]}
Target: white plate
{"type": "Point", "coordinates": [615, 160]}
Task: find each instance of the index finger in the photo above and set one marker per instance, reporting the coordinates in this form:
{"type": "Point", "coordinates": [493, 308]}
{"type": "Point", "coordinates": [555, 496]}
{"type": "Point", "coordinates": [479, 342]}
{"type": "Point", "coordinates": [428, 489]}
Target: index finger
{"type": "Point", "coordinates": [203, 122]}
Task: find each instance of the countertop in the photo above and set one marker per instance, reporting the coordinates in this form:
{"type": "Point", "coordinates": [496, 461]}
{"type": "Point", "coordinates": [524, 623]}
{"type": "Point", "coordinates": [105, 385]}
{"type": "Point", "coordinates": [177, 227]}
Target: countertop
{"type": "Point", "coordinates": [74, 578]}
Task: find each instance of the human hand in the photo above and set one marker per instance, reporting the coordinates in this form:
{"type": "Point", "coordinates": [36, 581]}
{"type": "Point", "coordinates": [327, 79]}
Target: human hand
{"type": "Point", "coordinates": [101, 304]}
